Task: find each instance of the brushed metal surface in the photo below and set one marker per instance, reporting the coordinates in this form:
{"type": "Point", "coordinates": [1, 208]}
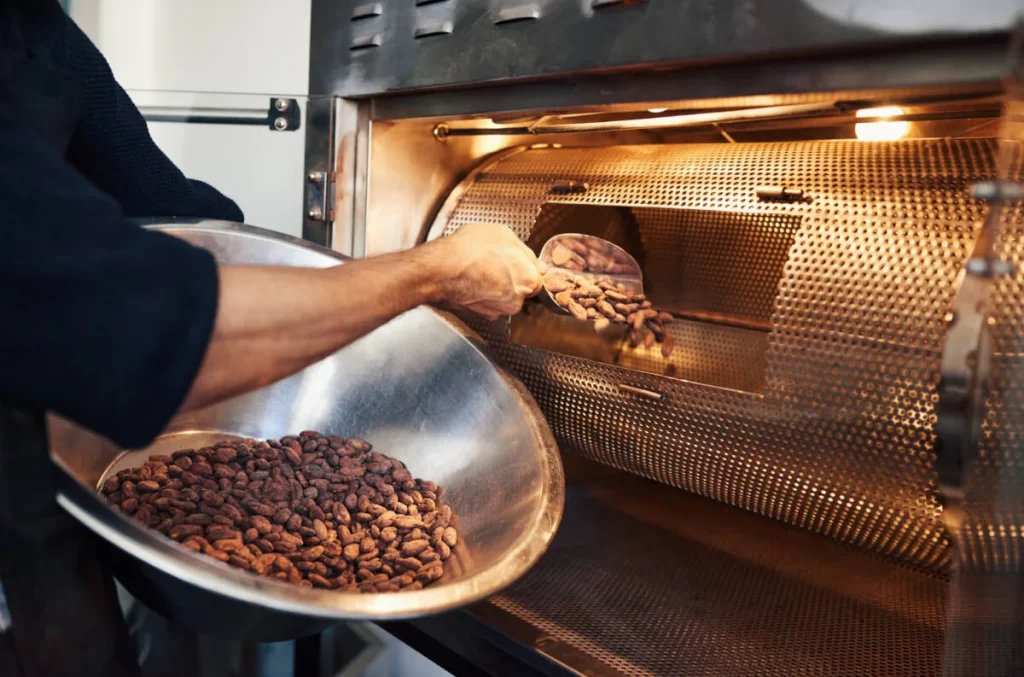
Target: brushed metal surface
{"type": "Point", "coordinates": [421, 389]}
{"type": "Point", "coordinates": [500, 40]}
{"type": "Point", "coordinates": [838, 438]}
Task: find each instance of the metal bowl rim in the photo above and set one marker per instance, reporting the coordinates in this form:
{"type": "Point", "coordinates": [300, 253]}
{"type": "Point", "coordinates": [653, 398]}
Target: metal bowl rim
{"type": "Point", "coordinates": [175, 560]}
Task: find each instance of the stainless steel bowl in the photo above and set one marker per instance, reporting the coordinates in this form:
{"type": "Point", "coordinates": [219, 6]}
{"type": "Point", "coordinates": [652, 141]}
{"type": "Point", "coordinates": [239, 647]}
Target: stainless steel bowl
{"type": "Point", "coordinates": [421, 388]}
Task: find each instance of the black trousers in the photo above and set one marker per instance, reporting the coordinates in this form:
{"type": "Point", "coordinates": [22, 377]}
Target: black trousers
{"type": "Point", "coordinates": [63, 604]}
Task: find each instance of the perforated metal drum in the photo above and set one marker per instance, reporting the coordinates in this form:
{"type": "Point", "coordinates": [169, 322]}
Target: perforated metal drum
{"type": "Point", "coordinates": [822, 418]}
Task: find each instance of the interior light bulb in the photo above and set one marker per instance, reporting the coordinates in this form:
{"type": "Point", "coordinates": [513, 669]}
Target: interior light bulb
{"type": "Point", "coordinates": [881, 131]}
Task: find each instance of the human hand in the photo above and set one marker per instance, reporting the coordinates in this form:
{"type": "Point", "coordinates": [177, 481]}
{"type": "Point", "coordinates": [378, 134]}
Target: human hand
{"type": "Point", "coordinates": [486, 269]}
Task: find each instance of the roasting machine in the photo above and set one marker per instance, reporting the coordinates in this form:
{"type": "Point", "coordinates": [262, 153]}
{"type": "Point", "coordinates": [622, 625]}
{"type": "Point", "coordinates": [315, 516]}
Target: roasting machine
{"type": "Point", "coordinates": [824, 477]}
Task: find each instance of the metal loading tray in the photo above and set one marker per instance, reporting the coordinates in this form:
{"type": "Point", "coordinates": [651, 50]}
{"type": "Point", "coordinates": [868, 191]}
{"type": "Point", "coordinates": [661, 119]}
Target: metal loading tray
{"type": "Point", "coordinates": [644, 580]}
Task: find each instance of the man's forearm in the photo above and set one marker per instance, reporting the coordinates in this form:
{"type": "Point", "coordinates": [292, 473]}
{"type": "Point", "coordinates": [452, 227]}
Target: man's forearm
{"type": "Point", "coordinates": [274, 321]}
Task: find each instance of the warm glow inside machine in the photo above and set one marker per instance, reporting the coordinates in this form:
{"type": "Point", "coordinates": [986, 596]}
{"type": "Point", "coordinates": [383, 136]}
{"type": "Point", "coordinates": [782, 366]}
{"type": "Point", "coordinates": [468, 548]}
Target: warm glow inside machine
{"type": "Point", "coordinates": [826, 475]}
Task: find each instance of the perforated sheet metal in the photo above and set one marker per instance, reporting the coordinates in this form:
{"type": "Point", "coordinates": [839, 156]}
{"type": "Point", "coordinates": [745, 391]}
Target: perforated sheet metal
{"type": "Point", "coordinates": [994, 507]}
{"type": "Point", "coordinates": [650, 586]}
{"type": "Point", "coordinates": [724, 356]}
{"type": "Point", "coordinates": [840, 441]}
{"type": "Point", "coordinates": [716, 261]}
{"type": "Point", "coordinates": [728, 357]}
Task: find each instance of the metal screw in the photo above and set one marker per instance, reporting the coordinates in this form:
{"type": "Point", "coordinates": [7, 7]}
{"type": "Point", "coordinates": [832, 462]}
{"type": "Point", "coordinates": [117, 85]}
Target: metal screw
{"type": "Point", "coordinates": [282, 104]}
{"type": "Point", "coordinates": [441, 132]}
{"type": "Point", "coordinates": [280, 124]}
{"type": "Point", "coordinates": [316, 177]}
{"type": "Point", "coordinates": [997, 190]}
{"type": "Point", "coordinates": [316, 213]}
{"type": "Point", "coordinates": [978, 266]}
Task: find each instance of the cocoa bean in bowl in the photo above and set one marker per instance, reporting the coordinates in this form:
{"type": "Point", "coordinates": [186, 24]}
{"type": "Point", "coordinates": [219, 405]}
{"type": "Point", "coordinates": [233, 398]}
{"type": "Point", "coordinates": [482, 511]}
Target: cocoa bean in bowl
{"type": "Point", "coordinates": [422, 389]}
{"type": "Point", "coordinates": [309, 509]}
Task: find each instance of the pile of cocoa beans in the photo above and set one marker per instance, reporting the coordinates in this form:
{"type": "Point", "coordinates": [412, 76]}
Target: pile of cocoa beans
{"type": "Point", "coordinates": [311, 509]}
{"type": "Point", "coordinates": [579, 253]}
{"type": "Point", "coordinates": [605, 301]}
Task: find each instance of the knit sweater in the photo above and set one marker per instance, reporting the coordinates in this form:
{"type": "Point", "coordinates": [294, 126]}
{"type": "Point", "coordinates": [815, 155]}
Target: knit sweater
{"type": "Point", "coordinates": [101, 321]}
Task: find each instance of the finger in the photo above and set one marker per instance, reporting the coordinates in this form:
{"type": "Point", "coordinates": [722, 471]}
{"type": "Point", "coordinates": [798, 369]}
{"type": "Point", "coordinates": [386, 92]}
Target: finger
{"type": "Point", "coordinates": [513, 306]}
{"type": "Point", "coordinates": [526, 249]}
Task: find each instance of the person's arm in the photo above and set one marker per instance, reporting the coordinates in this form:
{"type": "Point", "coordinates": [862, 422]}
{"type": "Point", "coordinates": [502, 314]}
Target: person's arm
{"type": "Point", "coordinates": [272, 322]}
{"type": "Point", "coordinates": [107, 324]}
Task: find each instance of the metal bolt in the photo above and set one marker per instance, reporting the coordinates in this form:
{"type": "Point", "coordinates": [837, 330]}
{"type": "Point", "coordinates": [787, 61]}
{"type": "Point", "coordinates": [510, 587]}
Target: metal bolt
{"type": "Point", "coordinates": [282, 104]}
{"type": "Point", "coordinates": [978, 266]}
{"type": "Point", "coordinates": [441, 132]}
{"type": "Point", "coordinates": [997, 190]}
{"type": "Point", "coordinates": [280, 124]}
{"type": "Point", "coordinates": [316, 177]}
{"type": "Point", "coordinates": [316, 212]}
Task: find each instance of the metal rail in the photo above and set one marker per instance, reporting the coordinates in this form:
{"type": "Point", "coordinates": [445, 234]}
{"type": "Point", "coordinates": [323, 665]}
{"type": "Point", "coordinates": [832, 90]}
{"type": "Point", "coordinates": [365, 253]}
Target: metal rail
{"type": "Point", "coordinates": [714, 119]}
{"type": "Point", "coordinates": [282, 115]}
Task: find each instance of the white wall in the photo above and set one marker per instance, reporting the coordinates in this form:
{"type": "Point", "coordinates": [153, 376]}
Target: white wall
{"type": "Point", "coordinates": [216, 53]}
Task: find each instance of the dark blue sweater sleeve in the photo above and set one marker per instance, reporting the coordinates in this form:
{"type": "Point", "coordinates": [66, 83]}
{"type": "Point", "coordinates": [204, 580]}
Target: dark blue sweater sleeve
{"type": "Point", "coordinates": [103, 322]}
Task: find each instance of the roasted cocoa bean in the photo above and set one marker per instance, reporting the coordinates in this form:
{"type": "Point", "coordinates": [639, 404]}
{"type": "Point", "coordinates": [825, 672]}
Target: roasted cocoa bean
{"type": "Point", "coordinates": [414, 547]}
{"type": "Point", "coordinates": [667, 346]}
{"type": "Point", "coordinates": [410, 563]}
{"type": "Point", "coordinates": [351, 552]}
{"type": "Point", "coordinates": [443, 550]}
{"type": "Point", "coordinates": [408, 522]}
{"type": "Point", "coordinates": [218, 533]}
{"type": "Point", "coordinates": [229, 545]}
{"type": "Point", "coordinates": [313, 553]}
{"type": "Point", "coordinates": [181, 531]}
{"type": "Point", "coordinates": [263, 564]}
{"type": "Point", "coordinates": [233, 513]}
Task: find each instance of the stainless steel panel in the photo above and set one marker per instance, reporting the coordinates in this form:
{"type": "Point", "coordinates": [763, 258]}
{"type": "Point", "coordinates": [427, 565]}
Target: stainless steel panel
{"type": "Point", "coordinates": [350, 177]}
{"type": "Point", "coordinates": [971, 65]}
{"type": "Point", "coordinates": [491, 40]}
{"type": "Point", "coordinates": [318, 177]}
{"type": "Point", "coordinates": [839, 440]}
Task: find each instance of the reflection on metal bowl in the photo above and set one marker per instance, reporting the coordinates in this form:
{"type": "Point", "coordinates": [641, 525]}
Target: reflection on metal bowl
{"type": "Point", "coordinates": [420, 389]}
